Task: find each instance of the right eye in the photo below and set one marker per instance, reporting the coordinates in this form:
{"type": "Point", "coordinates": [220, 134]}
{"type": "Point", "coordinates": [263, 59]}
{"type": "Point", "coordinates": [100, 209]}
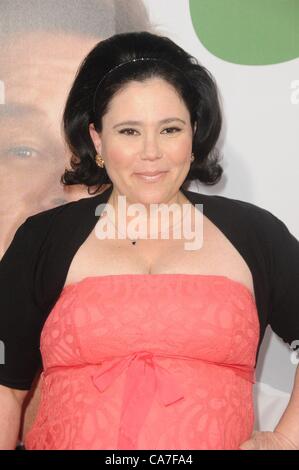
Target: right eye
{"type": "Point", "coordinates": [123, 131]}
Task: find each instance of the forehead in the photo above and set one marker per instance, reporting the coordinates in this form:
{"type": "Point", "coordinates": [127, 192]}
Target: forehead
{"type": "Point", "coordinates": [38, 68]}
{"type": "Point", "coordinates": [155, 93]}
{"type": "Point", "coordinates": [44, 49]}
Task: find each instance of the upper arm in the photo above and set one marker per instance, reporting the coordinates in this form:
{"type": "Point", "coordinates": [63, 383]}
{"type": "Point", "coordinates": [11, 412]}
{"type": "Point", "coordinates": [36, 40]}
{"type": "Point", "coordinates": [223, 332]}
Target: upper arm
{"type": "Point", "coordinates": [284, 302]}
{"type": "Point", "coordinates": [20, 316]}
{"type": "Point", "coordinates": [18, 395]}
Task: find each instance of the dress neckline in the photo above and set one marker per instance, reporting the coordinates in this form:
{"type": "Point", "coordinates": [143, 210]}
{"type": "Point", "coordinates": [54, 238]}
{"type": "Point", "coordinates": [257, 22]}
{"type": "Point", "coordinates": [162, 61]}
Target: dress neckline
{"type": "Point", "coordinates": [165, 276]}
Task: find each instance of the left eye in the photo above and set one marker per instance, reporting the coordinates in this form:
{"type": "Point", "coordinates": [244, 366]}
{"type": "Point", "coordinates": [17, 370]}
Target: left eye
{"type": "Point", "coordinates": [23, 152]}
{"type": "Point", "coordinates": [172, 128]}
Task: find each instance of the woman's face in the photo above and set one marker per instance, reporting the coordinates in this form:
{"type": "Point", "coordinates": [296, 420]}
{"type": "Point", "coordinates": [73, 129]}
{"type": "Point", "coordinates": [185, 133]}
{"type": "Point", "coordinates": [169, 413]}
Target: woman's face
{"type": "Point", "coordinates": [137, 138]}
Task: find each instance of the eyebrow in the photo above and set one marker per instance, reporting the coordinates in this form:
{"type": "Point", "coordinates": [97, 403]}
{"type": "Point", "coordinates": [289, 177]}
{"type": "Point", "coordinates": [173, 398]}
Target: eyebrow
{"type": "Point", "coordinates": [136, 123]}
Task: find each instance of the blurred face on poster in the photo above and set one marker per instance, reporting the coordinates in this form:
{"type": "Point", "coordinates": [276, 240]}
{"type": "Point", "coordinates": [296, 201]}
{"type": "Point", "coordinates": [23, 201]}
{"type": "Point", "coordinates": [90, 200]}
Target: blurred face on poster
{"type": "Point", "coordinates": [42, 43]}
{"type": "Point", "coordinates": [36, 72]}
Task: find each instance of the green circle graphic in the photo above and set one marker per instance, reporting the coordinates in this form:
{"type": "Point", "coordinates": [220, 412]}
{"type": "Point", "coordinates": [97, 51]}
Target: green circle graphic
{"type": "Point", "coordinates": [248, 32]}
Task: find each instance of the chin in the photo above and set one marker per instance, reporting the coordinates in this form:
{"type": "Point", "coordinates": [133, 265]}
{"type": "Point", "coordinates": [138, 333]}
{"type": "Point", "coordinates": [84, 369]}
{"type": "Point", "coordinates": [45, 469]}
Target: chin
{"type": "Point", "coordinates": [154, 198]}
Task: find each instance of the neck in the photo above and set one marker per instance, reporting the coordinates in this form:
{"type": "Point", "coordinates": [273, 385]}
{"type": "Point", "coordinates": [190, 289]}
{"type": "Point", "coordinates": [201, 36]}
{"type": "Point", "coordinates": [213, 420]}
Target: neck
{"type": "Point", "coordinates": [149, 216]}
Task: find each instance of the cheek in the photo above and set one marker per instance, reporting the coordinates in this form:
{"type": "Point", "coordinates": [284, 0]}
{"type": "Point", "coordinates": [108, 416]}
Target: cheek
{"type": "Point", "coordinates": [181, 153]}
{"type": "Point", "coordinates": [119, 158]}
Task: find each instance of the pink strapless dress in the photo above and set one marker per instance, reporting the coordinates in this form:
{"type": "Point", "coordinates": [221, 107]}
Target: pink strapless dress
{"type": "Point", "coordinates": [148, 361]}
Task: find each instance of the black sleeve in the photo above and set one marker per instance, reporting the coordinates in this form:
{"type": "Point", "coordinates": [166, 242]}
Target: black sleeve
{"type": "Point", "coordinates": [284, 302]}
{"type": "Point", "coordinates": [20, 317]}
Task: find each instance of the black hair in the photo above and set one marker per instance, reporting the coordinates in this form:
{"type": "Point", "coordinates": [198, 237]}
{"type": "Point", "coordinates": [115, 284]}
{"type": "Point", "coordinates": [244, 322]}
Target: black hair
{"type": "Point", "coordinates": [87, 102]}
{"type": "Point", "coordinates": [100, 18]}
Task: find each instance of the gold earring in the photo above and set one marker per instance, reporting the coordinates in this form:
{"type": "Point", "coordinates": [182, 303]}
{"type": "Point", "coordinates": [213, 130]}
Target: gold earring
{"type": "Point", "coordinates": [192, 157]}
{"type": "Point", "coordinates": [99, 160]}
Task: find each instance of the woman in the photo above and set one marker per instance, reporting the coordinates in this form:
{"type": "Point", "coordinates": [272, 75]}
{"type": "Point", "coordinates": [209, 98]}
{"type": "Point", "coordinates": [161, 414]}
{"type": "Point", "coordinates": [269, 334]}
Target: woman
{"type": "Point", "coordinates": [128, 323]}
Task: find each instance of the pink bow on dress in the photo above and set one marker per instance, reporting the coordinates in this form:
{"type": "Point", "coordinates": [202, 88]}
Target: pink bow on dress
{"type": "Point", "coordinates": [144, 377]}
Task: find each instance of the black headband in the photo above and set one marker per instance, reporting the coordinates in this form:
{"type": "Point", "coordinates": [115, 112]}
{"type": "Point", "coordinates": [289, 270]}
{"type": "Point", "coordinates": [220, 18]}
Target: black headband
{"type": "Point", "coordinates": [128, 62]}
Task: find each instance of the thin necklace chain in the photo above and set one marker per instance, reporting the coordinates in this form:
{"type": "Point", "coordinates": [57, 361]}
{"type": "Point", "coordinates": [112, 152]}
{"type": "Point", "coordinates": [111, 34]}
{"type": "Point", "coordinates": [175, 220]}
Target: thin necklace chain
{"type": "Point", "coordinates": [134, 241]}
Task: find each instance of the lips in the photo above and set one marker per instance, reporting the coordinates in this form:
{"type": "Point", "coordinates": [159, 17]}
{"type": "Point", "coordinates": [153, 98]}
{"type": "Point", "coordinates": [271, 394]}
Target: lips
{"type": "Point", "coordinates": [151, 176]}
{"type": "Point", "coordinates": [150, 173]}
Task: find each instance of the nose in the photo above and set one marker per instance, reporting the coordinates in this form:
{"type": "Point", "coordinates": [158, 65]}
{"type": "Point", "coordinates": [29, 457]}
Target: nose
{"type": "Point", "coordinates": [151, 148]}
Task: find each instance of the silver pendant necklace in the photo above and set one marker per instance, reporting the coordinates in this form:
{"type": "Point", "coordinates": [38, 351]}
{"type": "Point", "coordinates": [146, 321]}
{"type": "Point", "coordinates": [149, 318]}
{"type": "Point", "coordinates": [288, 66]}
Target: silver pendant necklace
{"type": "Point", "coordinates": [134, 241]}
